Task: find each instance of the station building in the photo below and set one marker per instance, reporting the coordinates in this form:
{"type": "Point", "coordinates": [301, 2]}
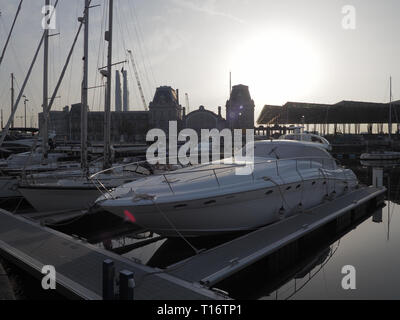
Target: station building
{"type": "Point", "coordinates": [132, 126]}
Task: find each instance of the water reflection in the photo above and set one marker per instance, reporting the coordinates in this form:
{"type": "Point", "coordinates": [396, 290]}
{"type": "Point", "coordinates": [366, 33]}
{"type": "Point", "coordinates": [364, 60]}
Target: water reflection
{"type": "Point", "coordinates": [372, 248]}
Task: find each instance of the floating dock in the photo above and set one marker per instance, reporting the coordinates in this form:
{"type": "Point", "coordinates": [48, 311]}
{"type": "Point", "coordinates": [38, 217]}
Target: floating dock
{"type": "Point", "coordinates": [79, 265]}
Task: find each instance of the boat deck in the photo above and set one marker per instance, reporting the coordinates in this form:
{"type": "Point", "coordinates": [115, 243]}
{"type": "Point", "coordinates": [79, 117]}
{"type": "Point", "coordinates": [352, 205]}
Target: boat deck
{"type": "Point", "coordinates": [79, 265]}
{"type": "Point", "coordinates": [235, 255]}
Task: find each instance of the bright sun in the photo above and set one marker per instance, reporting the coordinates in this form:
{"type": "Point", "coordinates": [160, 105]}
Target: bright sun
{"type": "Point", "coordinates": [278, 66]}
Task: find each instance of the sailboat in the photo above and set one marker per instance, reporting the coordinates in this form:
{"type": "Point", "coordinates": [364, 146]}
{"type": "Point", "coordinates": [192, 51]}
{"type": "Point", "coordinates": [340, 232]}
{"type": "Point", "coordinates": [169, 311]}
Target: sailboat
{"type": "Point", "coordinates": [383, 155]}
{"type": "Point", "coordinates": [18, 164]}
{"type": "Point", "coordinates": [74, 192]}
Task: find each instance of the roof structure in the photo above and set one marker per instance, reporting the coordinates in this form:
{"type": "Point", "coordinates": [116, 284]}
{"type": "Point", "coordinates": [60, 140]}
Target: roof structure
{"type": "Point", "coordinates": [341, 112]}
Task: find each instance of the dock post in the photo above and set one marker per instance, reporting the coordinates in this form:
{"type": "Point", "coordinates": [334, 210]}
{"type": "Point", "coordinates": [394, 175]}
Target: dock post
{"type": "Point", "coordinates": [108, 279]}
{"type": "Point", "coordinates": [126, 285]}
{"type": "Point", "coordinates": [377, 177]}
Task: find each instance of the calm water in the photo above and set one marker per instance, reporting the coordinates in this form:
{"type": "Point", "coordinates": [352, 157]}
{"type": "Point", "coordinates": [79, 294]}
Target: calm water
{"type": "Point", "coordinates": [371, 247]}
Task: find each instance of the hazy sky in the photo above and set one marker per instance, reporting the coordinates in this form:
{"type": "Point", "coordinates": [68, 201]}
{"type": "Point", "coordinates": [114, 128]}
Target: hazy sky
{"type": "Point", "coordinates": [283, 50]}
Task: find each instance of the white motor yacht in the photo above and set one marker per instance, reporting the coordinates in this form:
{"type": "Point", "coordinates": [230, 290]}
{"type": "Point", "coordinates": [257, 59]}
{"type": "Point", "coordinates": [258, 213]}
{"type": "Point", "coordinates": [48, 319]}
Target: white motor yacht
{"type": "Point", "coordinates": [207, 199]}
{"type": "Point", "coordinates": [309, 137]}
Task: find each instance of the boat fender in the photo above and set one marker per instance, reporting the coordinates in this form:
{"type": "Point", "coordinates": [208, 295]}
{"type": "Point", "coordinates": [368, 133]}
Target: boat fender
{"type": "Point", "coordinates": [300, 207]}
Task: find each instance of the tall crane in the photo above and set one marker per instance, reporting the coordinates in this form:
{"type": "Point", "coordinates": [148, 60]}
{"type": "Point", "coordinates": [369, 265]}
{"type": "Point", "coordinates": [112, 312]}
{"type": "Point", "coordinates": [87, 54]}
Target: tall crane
{"type": "Point", "coordinates": [138, 80]}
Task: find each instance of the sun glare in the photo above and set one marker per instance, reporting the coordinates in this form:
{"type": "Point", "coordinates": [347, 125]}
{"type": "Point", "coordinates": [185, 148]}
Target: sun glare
{"type": "Point", "coordinates": [279, 66]}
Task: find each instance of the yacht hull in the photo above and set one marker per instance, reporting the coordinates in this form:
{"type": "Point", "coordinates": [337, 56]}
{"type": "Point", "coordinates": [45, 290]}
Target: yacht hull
{"type": "Point", "coordinates": [230, 213]}
{"type": "Point", "coordinates": [9, 188]}
{"type": "Point", "coordinates": [71, 193]}
{"type": "Point", "coordinates": [45, 199]}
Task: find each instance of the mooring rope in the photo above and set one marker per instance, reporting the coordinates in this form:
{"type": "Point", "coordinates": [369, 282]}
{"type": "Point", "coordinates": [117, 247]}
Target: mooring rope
{"type": "Point", "coordinates": [173, 226]}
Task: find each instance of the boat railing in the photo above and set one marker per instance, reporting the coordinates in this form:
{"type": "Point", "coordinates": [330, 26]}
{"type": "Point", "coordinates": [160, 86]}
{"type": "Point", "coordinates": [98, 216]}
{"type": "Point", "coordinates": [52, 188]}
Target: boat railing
{"type": "Point", "coordinates": [299, 163]}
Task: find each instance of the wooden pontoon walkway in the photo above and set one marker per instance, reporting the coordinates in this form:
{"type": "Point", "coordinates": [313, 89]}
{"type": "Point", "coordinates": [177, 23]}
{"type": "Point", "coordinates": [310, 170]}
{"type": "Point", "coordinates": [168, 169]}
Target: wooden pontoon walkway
{"type": "Point", "coordinates": [79, 265]}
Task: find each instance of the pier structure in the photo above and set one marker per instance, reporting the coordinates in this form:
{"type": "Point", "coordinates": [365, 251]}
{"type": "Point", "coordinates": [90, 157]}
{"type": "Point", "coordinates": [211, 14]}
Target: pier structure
{"type": "Point", "coordinates": [274, 131]}
{"type": "Point", "coordinates": [351, 127]}
{"type": "Point", "coordinates": [344, 117]}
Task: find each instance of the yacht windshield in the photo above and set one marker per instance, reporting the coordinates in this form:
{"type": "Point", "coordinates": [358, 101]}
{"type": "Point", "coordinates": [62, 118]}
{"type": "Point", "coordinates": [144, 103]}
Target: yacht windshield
{"type": "Point", "coordinates": [278, 150]}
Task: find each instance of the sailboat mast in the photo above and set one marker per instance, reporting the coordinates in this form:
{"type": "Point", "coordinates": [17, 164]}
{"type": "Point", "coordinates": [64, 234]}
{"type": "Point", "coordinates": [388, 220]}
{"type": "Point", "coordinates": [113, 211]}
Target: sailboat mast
{"type": "Point", "coordinates": [390, 111]}
{"type": "Point", "coordinates": [12, 98]}
{"type": "Point", "coordinates": [45, 133]}
{"type": "Point", "coordinates": [11, 30]}
{"type": "Point", "coordinates": [107, 122]}
{"type": "Point", "coordinates": [84, 92]}
{"type": "Point", "coordinates": [7, 127]}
